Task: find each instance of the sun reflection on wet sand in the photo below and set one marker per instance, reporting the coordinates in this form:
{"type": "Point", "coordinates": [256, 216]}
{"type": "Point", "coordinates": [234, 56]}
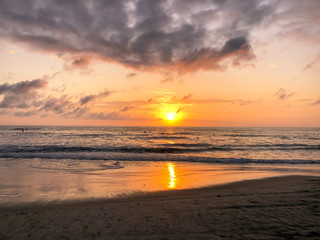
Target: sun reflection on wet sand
{"type": "Point", "coordinates": [172, 175]}
{"type": "Point", "coordinates": [30, 184]}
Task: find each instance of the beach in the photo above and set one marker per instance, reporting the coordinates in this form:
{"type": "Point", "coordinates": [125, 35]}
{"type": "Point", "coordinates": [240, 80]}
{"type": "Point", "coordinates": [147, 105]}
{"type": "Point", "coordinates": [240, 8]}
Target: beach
{"type": "Point", "coordinates": [159, 183]}
{"type": "Point", "coordinates": [285, 207]}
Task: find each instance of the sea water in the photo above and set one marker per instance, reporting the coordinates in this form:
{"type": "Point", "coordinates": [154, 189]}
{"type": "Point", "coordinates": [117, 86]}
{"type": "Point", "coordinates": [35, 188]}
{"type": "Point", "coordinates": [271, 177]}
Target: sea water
{"type": "Point", "coordinates": [46, 163]}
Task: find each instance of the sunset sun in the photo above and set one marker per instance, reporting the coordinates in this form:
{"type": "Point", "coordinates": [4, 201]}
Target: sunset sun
{"type": "Point", "coordinates": [171, 116]}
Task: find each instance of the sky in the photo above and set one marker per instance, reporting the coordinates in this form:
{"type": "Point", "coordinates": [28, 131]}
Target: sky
{"type": "Point", "coordinates": [241, 63]}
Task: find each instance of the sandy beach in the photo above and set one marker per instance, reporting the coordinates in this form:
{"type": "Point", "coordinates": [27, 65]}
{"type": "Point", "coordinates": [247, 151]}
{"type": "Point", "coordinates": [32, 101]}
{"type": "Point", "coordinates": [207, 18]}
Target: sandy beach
{"type": "Point", "coordinates": [273, 208]}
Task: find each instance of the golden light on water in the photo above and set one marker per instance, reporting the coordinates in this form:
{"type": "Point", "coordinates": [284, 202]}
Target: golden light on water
{"type": "Point", "coordinates": [172, 175]}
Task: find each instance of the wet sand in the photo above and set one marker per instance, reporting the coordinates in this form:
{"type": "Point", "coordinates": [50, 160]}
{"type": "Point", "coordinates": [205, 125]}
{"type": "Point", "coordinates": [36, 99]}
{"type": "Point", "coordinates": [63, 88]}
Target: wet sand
{"type": "Point", "coordinates": [273, 208]}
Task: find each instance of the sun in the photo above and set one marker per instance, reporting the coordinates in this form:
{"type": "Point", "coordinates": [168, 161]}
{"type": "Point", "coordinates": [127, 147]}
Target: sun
{"type": "Point", "coordinates": [171, 116]}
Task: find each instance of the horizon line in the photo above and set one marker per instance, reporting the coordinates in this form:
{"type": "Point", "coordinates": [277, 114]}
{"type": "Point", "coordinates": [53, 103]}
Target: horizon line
{"type": "Point", "coordinates": [181, 126]}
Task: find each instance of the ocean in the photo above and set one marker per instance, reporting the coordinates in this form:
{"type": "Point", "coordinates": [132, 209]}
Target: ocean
{"type": "Point", "coordinates": [44, 163]}
{"type": "Point", "coordinates": [211, 145]}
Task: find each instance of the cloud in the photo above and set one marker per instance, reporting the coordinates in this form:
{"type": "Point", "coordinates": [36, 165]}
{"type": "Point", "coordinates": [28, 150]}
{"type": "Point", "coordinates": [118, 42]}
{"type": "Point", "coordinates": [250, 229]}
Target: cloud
{"type": "Point", "coordinates": [299, 20]}
{"type": "Point", "coordinates": [126, 109]}
{"type": "Point", "coordinates": [21, 94]}
{"type": "Point", "coordinates": [241, 102]}
{"type": "Point", "coordinates": [187, 96]}
{"type": "Point", "coordinates": [282, 94]}
{"type": "Point", "coordinates": [131, 75]}
{"type": "Point", "coordinates": [23, 87]}
{"type": "Point", "coordinates": [316, 102]}
{"type": "Point", "coordinates": [163, 91]}
{"type": "Point", "coordinates": [179, 110]}
{"type": "Point", "coordinates": [234, 50]}
{"type": "Point", "coordinates": [77, 62]}
{"type": "Point", "coordinates": [60, 105]}
{"type": "Point", "coordinates": [25, 113]}
{"type": "Point", "coordinates": [167, 98]}
{"type": "Point", "coordinates": [180, 35]}
{"type": "Point", "coordinates": [25, 99]}
{"type": "Point", "coordinates": [93, 97]}
{"type": "Point", "coordinates": [187, 99]}
{"type": "Point", "coordinates": [110, 116]}
{"type": "Point", "coordinates": [311, 64]}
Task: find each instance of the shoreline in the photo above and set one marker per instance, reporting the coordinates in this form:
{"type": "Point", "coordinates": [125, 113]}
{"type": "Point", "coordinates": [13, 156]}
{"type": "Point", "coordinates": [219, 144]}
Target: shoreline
{"type": "Point", "coordinates": [273, 208]}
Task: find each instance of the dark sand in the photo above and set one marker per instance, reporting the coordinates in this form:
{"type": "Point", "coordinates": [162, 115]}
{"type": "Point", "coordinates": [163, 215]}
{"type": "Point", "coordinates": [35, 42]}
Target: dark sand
{"type": "Point", "coordinates": [273, 208]}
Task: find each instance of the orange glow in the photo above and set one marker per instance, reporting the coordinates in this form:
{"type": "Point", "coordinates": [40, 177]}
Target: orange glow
{"type": "Point", "coordinates": [172, 175]}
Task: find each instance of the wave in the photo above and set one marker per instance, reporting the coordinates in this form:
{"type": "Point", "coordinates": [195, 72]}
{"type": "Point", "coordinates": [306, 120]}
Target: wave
{"type": "Point", "coordinates": [124, 149]}
{"type": "Point", "coordinates": [163, 137]}
{"type": "Point", "coordinates": [284, 146]}
{"type": "Point", "coordinates": [157, 158]}
{"type": "Point", "coordinates": [163, 148]}
{"type": "Point", "coordinates": [26, 129]}
{"type": "Point", "coordinates": [202, 145]}
{"type": "Point", "coordinates": [246, 135]}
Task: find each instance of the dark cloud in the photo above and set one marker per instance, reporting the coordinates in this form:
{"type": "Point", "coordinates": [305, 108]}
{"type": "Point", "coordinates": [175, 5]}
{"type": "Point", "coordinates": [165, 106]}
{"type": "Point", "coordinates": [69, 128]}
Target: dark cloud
{"type": "Point", "coordinates": [131, 75]}
{"type": "Point", "coordinates": [236, 50]}
{"type": "Point", "coordinates": [93, 97]}
{"type": "Point", "coordinates": [142, 34]}
{"type": "Point", "coordinates": [282, 94]}
{"type": "Point", "coordinates": [126, 109]}
{"type": "Point", "coordinates": [21, 94]}
{"type": "Point", "coordinates": [24, 99]}
{"type": "Point", "coordinates": [60, 105]}
{"type": "Point", "coordinates": [78, 62]}
{"type": "Point", "coordinates": [23, 87]}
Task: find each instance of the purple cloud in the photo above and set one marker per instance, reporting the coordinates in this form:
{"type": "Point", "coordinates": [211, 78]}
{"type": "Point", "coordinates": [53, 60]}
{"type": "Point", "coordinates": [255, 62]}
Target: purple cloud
{"type": "Point", "coordinates": [282, 94]}
{"type": "Point", "coordinates": [21, 94]}
{"type": "Point", "coordinates": [93, 97]}
{"type": "Point", "coordinates": [140, 34]}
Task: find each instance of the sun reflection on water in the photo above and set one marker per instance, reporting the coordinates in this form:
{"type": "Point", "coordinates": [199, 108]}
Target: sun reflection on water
{"type": "Point", "coordinates": [172, 175]}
